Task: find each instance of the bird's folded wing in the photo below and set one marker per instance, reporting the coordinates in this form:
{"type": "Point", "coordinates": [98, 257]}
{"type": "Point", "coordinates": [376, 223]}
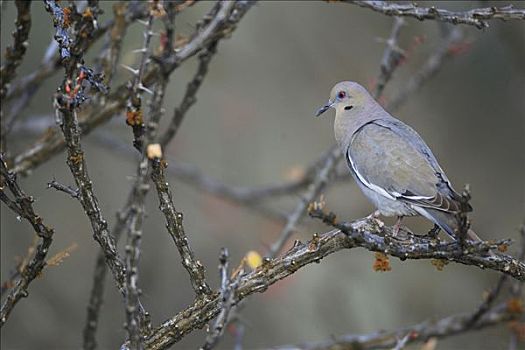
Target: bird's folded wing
{"type": "Point", "coordinates": [391, 159]}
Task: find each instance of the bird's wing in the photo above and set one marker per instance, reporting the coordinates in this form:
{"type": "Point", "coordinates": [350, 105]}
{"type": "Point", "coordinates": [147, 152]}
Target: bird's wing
{"type": "Point", "coordinates": [391, 159]}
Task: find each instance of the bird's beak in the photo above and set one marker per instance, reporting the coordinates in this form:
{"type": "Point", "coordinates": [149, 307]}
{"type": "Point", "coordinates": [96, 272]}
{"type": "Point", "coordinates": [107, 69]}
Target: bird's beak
{"type": "Point", "coordinates": [323, 109]}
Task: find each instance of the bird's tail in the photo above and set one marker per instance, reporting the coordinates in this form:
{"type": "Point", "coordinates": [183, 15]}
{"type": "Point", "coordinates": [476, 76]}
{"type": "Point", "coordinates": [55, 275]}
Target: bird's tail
{"type": "Point", "coordinates": [449, 223]}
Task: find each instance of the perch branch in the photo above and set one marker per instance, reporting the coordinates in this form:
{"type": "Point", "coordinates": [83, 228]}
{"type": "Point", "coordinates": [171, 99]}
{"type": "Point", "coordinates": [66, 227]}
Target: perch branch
{"type": "Point", "coordinates": [361, 233]}
{"type": "Point", "coordinates": [475, 17]}
{"type": "Point", "coordinates": [473, 253]}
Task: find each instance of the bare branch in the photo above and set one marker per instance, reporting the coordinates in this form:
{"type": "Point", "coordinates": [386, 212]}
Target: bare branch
{"type": "Point", "coordinates": [475, 17]}
{"type": "Point", "coordinates": [71, 50]}
{"type": "Point", "coordinates": [430, 68]}
{"type": "Point", "coordinates": [22, 206]}
{"type": "Point", "coordinates": [219, 28]}
{"type": "Point", "coordinates": [227, 302]}
{"type": "Point", "coordinates": [189, 96]}
{"type": "Point", "coordinates": [99, 280]}
{"type": "Point", "coordinates": [13, 57]}
{"type": "Point", "coordinates": [445, 327]}
{"type": "Point", "coordinates": [176, 230]}
{"type": "Point", "coordinates": [415, 247]}
{"type": "Point", "coordinates": [314, 190]}
{"type": "Point", "coordinates": [391, 57]}
{"type": "Point", "coordinates": [361, 233]}
{"type": "Point", "coordinates": [73, 192]}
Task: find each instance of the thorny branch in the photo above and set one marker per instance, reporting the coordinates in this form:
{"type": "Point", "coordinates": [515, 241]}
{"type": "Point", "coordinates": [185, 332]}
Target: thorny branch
{"type": "Point", "coordinates": [485, 315]}
{"type": "Point", "coordinates": [229, 14]}
{"type": "Point", "coordinates": [75, 33]}
{"type": "Point", "coordinates": [13, 58]}
{"type": "Point", "coordinates": [475, 17]}
{"type": "Point", "coordinates": [414, 247]}
{"type": "Point", "coordinates": [227, 302]}
{"type": "Point", "coordinates": [189, 98]}
{"type": "Point", "coordinates": [156, 103]}
{"type": "Point", "coordinates": [391, 58]}
{"type": "Point", "coordinates": [67, 100]}
{"type": "Point", "coordinates": [360, 233]}
{"type": "Point", "coordinates": [141, 187]}
{"type": "Point", "coordinates": [445, 327]}
{"type": "Point", "coordinates": [176, 229]}
{"type": "Point", "coordinates": [22, 205]}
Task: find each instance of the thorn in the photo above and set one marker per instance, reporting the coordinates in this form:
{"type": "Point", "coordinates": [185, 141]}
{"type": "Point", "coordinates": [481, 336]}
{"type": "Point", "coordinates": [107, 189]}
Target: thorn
{"type": "Point", "coordinates": [133, 71]}
{"type": "Point", "coordinates": [145, 89]}
{"type": "Point", "coordinates": [154, 33]}
{"type": "Point", "coordinates": [143, 22]}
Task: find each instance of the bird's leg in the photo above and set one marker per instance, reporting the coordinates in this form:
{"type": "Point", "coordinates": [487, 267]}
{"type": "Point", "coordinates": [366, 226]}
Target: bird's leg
{"type": "Point", "coordinates": [374, 215]}
{"type": "Point", "coordinates": [397, 225]}
{"type": "Point", "coordinates": [433, 233]}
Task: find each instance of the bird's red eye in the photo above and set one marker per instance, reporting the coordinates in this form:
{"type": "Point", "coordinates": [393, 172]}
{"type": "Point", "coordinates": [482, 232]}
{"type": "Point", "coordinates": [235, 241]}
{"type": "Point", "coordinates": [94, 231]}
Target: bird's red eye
{"type": "Point", "coordinates": [341, 94]}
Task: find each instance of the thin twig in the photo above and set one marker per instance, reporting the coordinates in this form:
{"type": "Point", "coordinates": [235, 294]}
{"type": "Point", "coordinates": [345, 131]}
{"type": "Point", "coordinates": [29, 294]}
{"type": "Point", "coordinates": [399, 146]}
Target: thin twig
{"type": "Point", "coordinates": [13, 57]}
{"type": "Point", "coordinates": [489, 300]}
{"type": "Point", "coordinates": [248, 197]}
{"type": "Point", "coordinates": [475, 17]}
{"type": "Point", "coordinates": [431, 67]}
{"type": "Point", "coordinates": [73, 192]}
{"type": "Point", "coordinates": [313, 192]}
{"type": "Point", "coordinates": [442, 328]}
{"type": "Point", "coordinates": [22, 206]}
{"type": "Point", "coordinates": [134, 113]}
{"type": "Point", "coordinates": [227, 302]}
{"type": "Point", "coordinates": [110, 53]}
{"type": "Point", "coordinates": [96, 296]}
{"type": "Point", "coordinates": [392, 57]}
{"type": "Point", "coordinates": [176, 230]}
{"type": "Point", "coordinates": [190, 95]}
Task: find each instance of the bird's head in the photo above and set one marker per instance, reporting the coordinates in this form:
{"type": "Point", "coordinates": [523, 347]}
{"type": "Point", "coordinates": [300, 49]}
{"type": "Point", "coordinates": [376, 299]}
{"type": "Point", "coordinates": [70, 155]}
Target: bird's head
{"type": "Point", "coordinates": [345, 96]}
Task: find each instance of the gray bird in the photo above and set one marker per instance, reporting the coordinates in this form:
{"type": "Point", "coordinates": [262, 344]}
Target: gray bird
{"type": "Point", "coordinates": [390, 162]}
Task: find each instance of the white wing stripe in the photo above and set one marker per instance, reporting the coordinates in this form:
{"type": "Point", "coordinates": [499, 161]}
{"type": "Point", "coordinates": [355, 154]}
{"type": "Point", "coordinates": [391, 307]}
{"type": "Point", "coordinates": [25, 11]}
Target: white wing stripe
{"type": "Point", "coordinates": [371, 186]}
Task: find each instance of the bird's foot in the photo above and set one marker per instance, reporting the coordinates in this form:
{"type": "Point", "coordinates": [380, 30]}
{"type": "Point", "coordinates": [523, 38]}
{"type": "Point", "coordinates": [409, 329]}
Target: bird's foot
{"type": "Point", "coordinates": [434, 231]}
{"type": "Point", "coordinates": [397, 226]}
{"type": "Point", "coordinates": [375, 218]}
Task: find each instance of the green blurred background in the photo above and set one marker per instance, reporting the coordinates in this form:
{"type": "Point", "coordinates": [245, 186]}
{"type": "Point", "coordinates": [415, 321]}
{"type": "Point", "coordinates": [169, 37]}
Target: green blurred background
{"type": "Point", "coordinates": [253, 125]}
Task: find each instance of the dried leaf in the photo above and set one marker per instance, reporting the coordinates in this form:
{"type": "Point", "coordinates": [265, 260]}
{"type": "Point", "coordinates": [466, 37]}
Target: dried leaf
{"type": "Point", "coordinates": [439, 263]}
{"type": "Point", "coordinates": [503, 248]}
{"type": "Point", "coordinates": [515, 306]}
{"type": "Point", "coordinates": [59, 257]}
{"type": "Point", "coordinates": [382, 263]}
{"type": "Point", "coordinates": [253, 259]}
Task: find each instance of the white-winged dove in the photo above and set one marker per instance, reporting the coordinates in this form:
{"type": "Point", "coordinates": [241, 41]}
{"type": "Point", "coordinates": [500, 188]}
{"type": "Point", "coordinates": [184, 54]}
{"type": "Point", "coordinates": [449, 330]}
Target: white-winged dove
{"type": "Point", "coordinates": [390, 162]}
